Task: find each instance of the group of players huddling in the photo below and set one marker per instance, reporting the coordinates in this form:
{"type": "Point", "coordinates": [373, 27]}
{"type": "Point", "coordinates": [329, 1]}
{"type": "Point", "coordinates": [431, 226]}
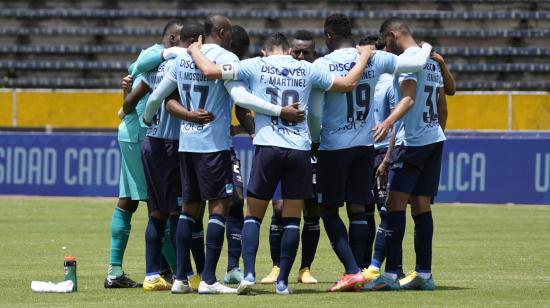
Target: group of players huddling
{"type": "Point", "coordinates": [361, 126]}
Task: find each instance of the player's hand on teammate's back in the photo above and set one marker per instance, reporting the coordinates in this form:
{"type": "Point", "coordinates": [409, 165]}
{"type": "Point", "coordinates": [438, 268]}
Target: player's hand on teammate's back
{"type": "Point", "coordinates": [196, 46]}
{"type": "Point", "coordinates": [380, 131]}
{"type": "Point", "coordinates": [293, 113]}
{"type": "Point", "coordinates": [437, 57]}
{"type": "Point", "coordinates": [127, 83]}
{"type": "Point", "coordinates": [366, 49]}
{"type": "Point", "coordinates": [201, 116]}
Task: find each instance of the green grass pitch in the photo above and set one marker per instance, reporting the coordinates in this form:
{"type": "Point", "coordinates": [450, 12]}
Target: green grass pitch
{"type": "Point", "coordinates": [483, 256]}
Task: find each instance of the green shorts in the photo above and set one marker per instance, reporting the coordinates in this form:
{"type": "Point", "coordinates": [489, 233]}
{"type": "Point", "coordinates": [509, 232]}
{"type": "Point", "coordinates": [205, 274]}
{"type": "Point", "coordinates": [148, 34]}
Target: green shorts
{"type": "Point", "coordinates": [132, 178]}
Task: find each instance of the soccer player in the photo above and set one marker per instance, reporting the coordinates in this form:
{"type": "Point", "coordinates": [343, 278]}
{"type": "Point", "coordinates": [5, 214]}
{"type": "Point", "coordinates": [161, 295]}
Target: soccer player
{"type": "Point", "coordinates": [385, 153]}
{"type": "Point", "coordinates": [303, 48]}
{"type": "Point", "coordinates": [161, 166]}
{"type": "Point", "coordinates": [205, 159]}
{"type": "Point", "coordinates": [282, 147]}
{"type": "Point", "coordinates": [385, 100]}
{"type": "Point", "coordinates": [240, 42]}
{"type": "Point", "coordinates": [415, 174]}
{"type": "Point", "coordinates": [133, 187]}
{"type": "Point", "coordinates": [346, 150]}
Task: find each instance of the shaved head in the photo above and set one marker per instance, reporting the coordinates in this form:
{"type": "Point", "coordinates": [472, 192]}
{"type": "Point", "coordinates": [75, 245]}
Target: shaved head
{"type": "Point", "coordinates": [215, 23]}
{"type": "Point", "coordinates": [218, 30]}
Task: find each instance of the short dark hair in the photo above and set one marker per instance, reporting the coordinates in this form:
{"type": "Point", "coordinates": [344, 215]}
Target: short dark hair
{"type": "Point", "coordinates": [394, 23]}
{"type": "Point", "coordinates": [372, 40]}
{"type": "Point", "coordinates": [303, 35]}
{"type": "Point", "coordinates": [192, 30]}
{"type": "Point", "coordinates": [170, 24]}
{"type": "Point", "coordinates": [368, 40]}
{"type": "Point", "coordinates": [339, 25]}
{"type": "Point", "coordinates": [276, 39]}
{"type": "Point", "coordinates": [240, 41]}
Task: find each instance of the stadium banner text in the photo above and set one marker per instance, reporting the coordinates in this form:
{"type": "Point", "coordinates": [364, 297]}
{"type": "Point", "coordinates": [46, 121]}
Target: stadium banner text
{"type": "Point", "coordinates": [476, 167]}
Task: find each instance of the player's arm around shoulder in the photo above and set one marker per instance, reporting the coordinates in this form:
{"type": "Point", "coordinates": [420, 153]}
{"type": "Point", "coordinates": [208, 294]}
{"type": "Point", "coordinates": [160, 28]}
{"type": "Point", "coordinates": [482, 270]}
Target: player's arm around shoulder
{"type": "Point", "coordinates": [408, 94]}
{"type": "Point", "coordinates": [448, 79]}
{"type": "Point", "coordinates": [442, 108]}
{"type": "Point", "coordinates": [210, 69]}
{"type": "Point", "coordinates": [349, 82]}
{"type": "Point", "coordinates": [133, 98]}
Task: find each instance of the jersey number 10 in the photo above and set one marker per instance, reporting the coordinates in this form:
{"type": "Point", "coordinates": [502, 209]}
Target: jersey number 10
{"type": "Point", "coordinates": [287, 97]}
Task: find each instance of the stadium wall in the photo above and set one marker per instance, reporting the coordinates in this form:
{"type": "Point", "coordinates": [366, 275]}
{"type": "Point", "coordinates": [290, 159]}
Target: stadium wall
{"type": "Point", "coordinates": [477, 167]}
{"type": "Point", "coordinates": [98, 108]}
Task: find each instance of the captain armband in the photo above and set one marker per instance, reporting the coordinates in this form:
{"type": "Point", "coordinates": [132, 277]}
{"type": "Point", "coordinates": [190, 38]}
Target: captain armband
{"type": "Point", "coordinates": [229, 71]}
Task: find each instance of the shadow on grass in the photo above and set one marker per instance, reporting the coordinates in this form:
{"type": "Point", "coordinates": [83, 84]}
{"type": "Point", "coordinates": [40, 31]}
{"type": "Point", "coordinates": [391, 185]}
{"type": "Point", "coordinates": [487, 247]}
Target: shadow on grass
{"type": "Point", "coordinates": [308, 291]}
{"type": "Point", "coordinates": [450, 288]}
{"type": "Point", "coordinates": [439, 288]}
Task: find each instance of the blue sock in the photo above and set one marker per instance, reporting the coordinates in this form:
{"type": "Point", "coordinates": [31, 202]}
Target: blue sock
{"type": "Point", "coordinates": [394, 233]}
{"type": "Point", "coordinates": [358, 228]}
{"type": "Point", "coordinates": [197, 246]}
{"type": "Point", "coordinates": [234, 229]}
{"type": "Point", "coordinates": [214, 243]}
{"type": "Point", "coordinates": [338, 236]}
{"type": "Point", "coordinates": [371, 234]}
{"type": "Point", "coordinates": [184, 234]}
{"type": "Point", "coordinates": [380, 242]}
{"type": "Point", "coordinates": [289, 247]}
{"type": "Point", "coordinates": [310, 240]}
{"type": "Point", "coordinates": [423, 234]}
{"type": "Point", "coordinates": [275, 234]}
{"type": "Point", "coordinates": [250, 241]}
{"type": "Point", "coordinates": [154, 234]}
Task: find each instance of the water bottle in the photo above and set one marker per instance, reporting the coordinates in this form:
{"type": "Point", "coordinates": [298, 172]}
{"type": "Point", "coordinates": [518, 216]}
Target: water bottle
{"type": "Point", "coordinates": [70, 270]}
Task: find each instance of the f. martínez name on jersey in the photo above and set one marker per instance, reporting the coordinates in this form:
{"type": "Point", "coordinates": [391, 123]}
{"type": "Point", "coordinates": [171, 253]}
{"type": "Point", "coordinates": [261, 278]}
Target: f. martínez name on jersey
{"type": "Point", "coordinates": [283, 81]}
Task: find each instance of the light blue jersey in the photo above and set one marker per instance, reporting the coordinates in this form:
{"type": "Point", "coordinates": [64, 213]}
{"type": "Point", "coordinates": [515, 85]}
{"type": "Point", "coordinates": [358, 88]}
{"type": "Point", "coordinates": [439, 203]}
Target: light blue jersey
{"type": "Point", "coordinates": [385, 99]}
{"type": "Point", "coordinates": [398, 126]}
{"type": "Point", "coordinates": [164, 126]}
{"type": "Point", "coordinates": [421, 122]}
{"type": "Point", "coordinates": [132, 129]}
{"type": "Point", "coordinates": [347, 117]}
{"type": "Point", "coordinates": [283, 81]}
{"type": "Point", "coordinates": [196, 91]}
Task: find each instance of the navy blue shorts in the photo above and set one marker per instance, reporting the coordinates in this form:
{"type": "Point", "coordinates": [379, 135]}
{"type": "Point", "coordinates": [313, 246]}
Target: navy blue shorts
{"type": "Point", "coordinates": [272, 165]}
{"type": "Point", "coordinates": [416, 170]}
{"type": "Point", "coordinates": [236, 166]}
{"type": "Point", "coordinates": [206, 176]}
{"type": "Point", "coordinates": [345, 176]}
{"type": "Point", "coordinates": [313, 197]}
{"type": "Point", "coordinates": [161, 165]}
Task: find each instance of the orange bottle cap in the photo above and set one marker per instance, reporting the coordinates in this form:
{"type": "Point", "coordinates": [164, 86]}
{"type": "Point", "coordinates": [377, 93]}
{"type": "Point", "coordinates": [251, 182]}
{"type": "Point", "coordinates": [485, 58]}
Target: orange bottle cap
{"type": "Point", "coordinates": [70, 258]}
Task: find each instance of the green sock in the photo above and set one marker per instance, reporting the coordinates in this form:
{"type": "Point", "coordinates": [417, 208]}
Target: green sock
{"type": "Point", "coordinates": [168, 249]}
{"type": "Point", "coordinates": [115, 270]}
{"type": "Point", "coordinates": [120, 232]}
